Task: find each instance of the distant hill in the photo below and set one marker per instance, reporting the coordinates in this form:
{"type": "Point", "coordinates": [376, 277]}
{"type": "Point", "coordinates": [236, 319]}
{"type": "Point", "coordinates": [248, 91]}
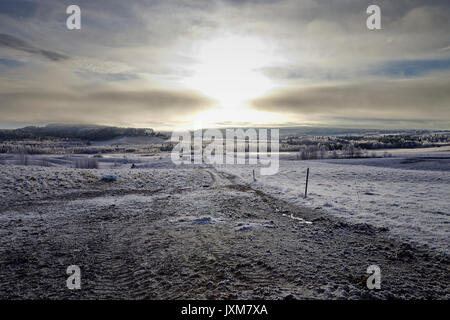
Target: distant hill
{"type": "Point", "coordinates": [134, 140]}
{"type": "Point", "coordinates": [77, 131]}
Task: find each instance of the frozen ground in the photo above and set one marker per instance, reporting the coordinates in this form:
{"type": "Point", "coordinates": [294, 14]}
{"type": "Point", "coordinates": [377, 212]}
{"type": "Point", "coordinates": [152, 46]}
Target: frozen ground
{"type": "Point", "coordinates": [408, 194]}
{"type": "Point", "coordinates": [28, 183]}
{"type": "Point", "coordinates": [196, 232]}
{"type": "Point", "coordinates": [191, 234]}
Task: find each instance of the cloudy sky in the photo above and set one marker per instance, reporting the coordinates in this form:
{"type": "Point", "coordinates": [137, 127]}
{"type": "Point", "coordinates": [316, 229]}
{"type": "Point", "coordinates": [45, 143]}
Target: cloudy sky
{"type": "Point", "coordinates": [165, 64]}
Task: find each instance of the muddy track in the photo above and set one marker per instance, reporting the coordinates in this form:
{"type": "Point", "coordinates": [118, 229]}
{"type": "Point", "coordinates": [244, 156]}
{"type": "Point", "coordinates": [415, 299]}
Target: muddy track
{"type": "Point", "coordinates": [230, 181]}
{"type": "Point", "coordinates": [221, 241]}
{"type": "Point", "coordinates": [219, 178]}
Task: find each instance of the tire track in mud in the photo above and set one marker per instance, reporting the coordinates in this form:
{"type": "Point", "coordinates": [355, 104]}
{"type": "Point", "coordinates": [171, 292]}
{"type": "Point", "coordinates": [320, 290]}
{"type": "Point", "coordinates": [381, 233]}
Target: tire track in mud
{"type": "Point", "coordinates": [128, 257]}
{"type": "Point", "coordinates": [218, 179]}
{"type": "Point", "coordinates": [253, 275]}
{"type": "Point", "coordinates": [222, 179]}
{"type": "Point", "coordinates": [128, 278]}
{"type": "Point", "coordinates": [151, 250]}
{"type": "Point", "coordinates": [116, 248]}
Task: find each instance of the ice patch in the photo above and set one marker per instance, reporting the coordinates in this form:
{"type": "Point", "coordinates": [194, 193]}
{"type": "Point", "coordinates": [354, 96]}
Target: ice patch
{"type": "Point", "coordinates": [206, 220]}
{"type": "Point", "coordinates": [246, 226]}
{"type": "Point", "coordinates": [298, 219]}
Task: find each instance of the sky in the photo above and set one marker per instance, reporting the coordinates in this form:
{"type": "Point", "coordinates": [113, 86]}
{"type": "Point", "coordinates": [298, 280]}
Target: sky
{"type": "Point", "coordinates": [168, 64]}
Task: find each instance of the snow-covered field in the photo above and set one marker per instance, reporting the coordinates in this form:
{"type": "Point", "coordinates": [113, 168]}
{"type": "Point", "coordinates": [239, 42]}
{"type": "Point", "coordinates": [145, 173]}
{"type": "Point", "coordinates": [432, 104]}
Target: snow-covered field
{"type": "Point", "coordinates": [193, 232]}
{"type": "Point", "coordinates": [408, 194]}
{"type": "Point", "coordinates": [34, 182]}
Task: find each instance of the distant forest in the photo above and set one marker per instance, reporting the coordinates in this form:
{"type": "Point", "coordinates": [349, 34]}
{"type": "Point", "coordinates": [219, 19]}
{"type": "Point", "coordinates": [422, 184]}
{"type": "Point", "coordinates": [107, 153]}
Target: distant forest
{"type": "Point", "coordinates": [367, 142]}
{"type": "Point", "coordinates": [81, 132]}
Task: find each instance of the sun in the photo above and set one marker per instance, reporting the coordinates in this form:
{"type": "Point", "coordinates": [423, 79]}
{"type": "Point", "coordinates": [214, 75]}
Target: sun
{"type": "Point", "coordinates": [228, 70]}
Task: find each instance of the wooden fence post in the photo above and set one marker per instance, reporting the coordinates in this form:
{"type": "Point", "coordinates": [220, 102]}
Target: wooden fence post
{"type": "Point", "coordinates": [306, 186]}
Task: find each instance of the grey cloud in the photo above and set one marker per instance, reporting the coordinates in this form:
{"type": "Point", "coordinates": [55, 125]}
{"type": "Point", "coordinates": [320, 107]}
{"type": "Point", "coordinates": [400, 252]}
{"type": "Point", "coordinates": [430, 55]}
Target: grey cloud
{"type": "Point", "coordinates": [388, 123]}
{"type": "Point", "coordinates": [424, 19]}
{"type": "Point", "coordinates": [417, 99]}
{"type": "Point", "coordinates": [108, 107]}
{"type": "Point", "coordinates": [244, 2]}
{"type": "Point", "coordinates": [13, 42]}
{"type": "Point", "coordinates": [17, 8]}
{"type": "Point", "coordinates": [329, 40]}
{"type": "Point", "coordinates": [117, 76]}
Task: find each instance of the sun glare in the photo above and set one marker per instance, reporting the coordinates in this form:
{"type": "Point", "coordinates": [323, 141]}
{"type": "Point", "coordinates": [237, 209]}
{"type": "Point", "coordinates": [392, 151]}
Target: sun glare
{"type": "Point", "coordinates": [219, 117]}
{"type": "Point", "coordinates": [228, 70]}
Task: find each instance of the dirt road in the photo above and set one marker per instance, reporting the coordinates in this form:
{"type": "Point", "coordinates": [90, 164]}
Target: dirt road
{"type": "Point", "coordinates": [219, 240]}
